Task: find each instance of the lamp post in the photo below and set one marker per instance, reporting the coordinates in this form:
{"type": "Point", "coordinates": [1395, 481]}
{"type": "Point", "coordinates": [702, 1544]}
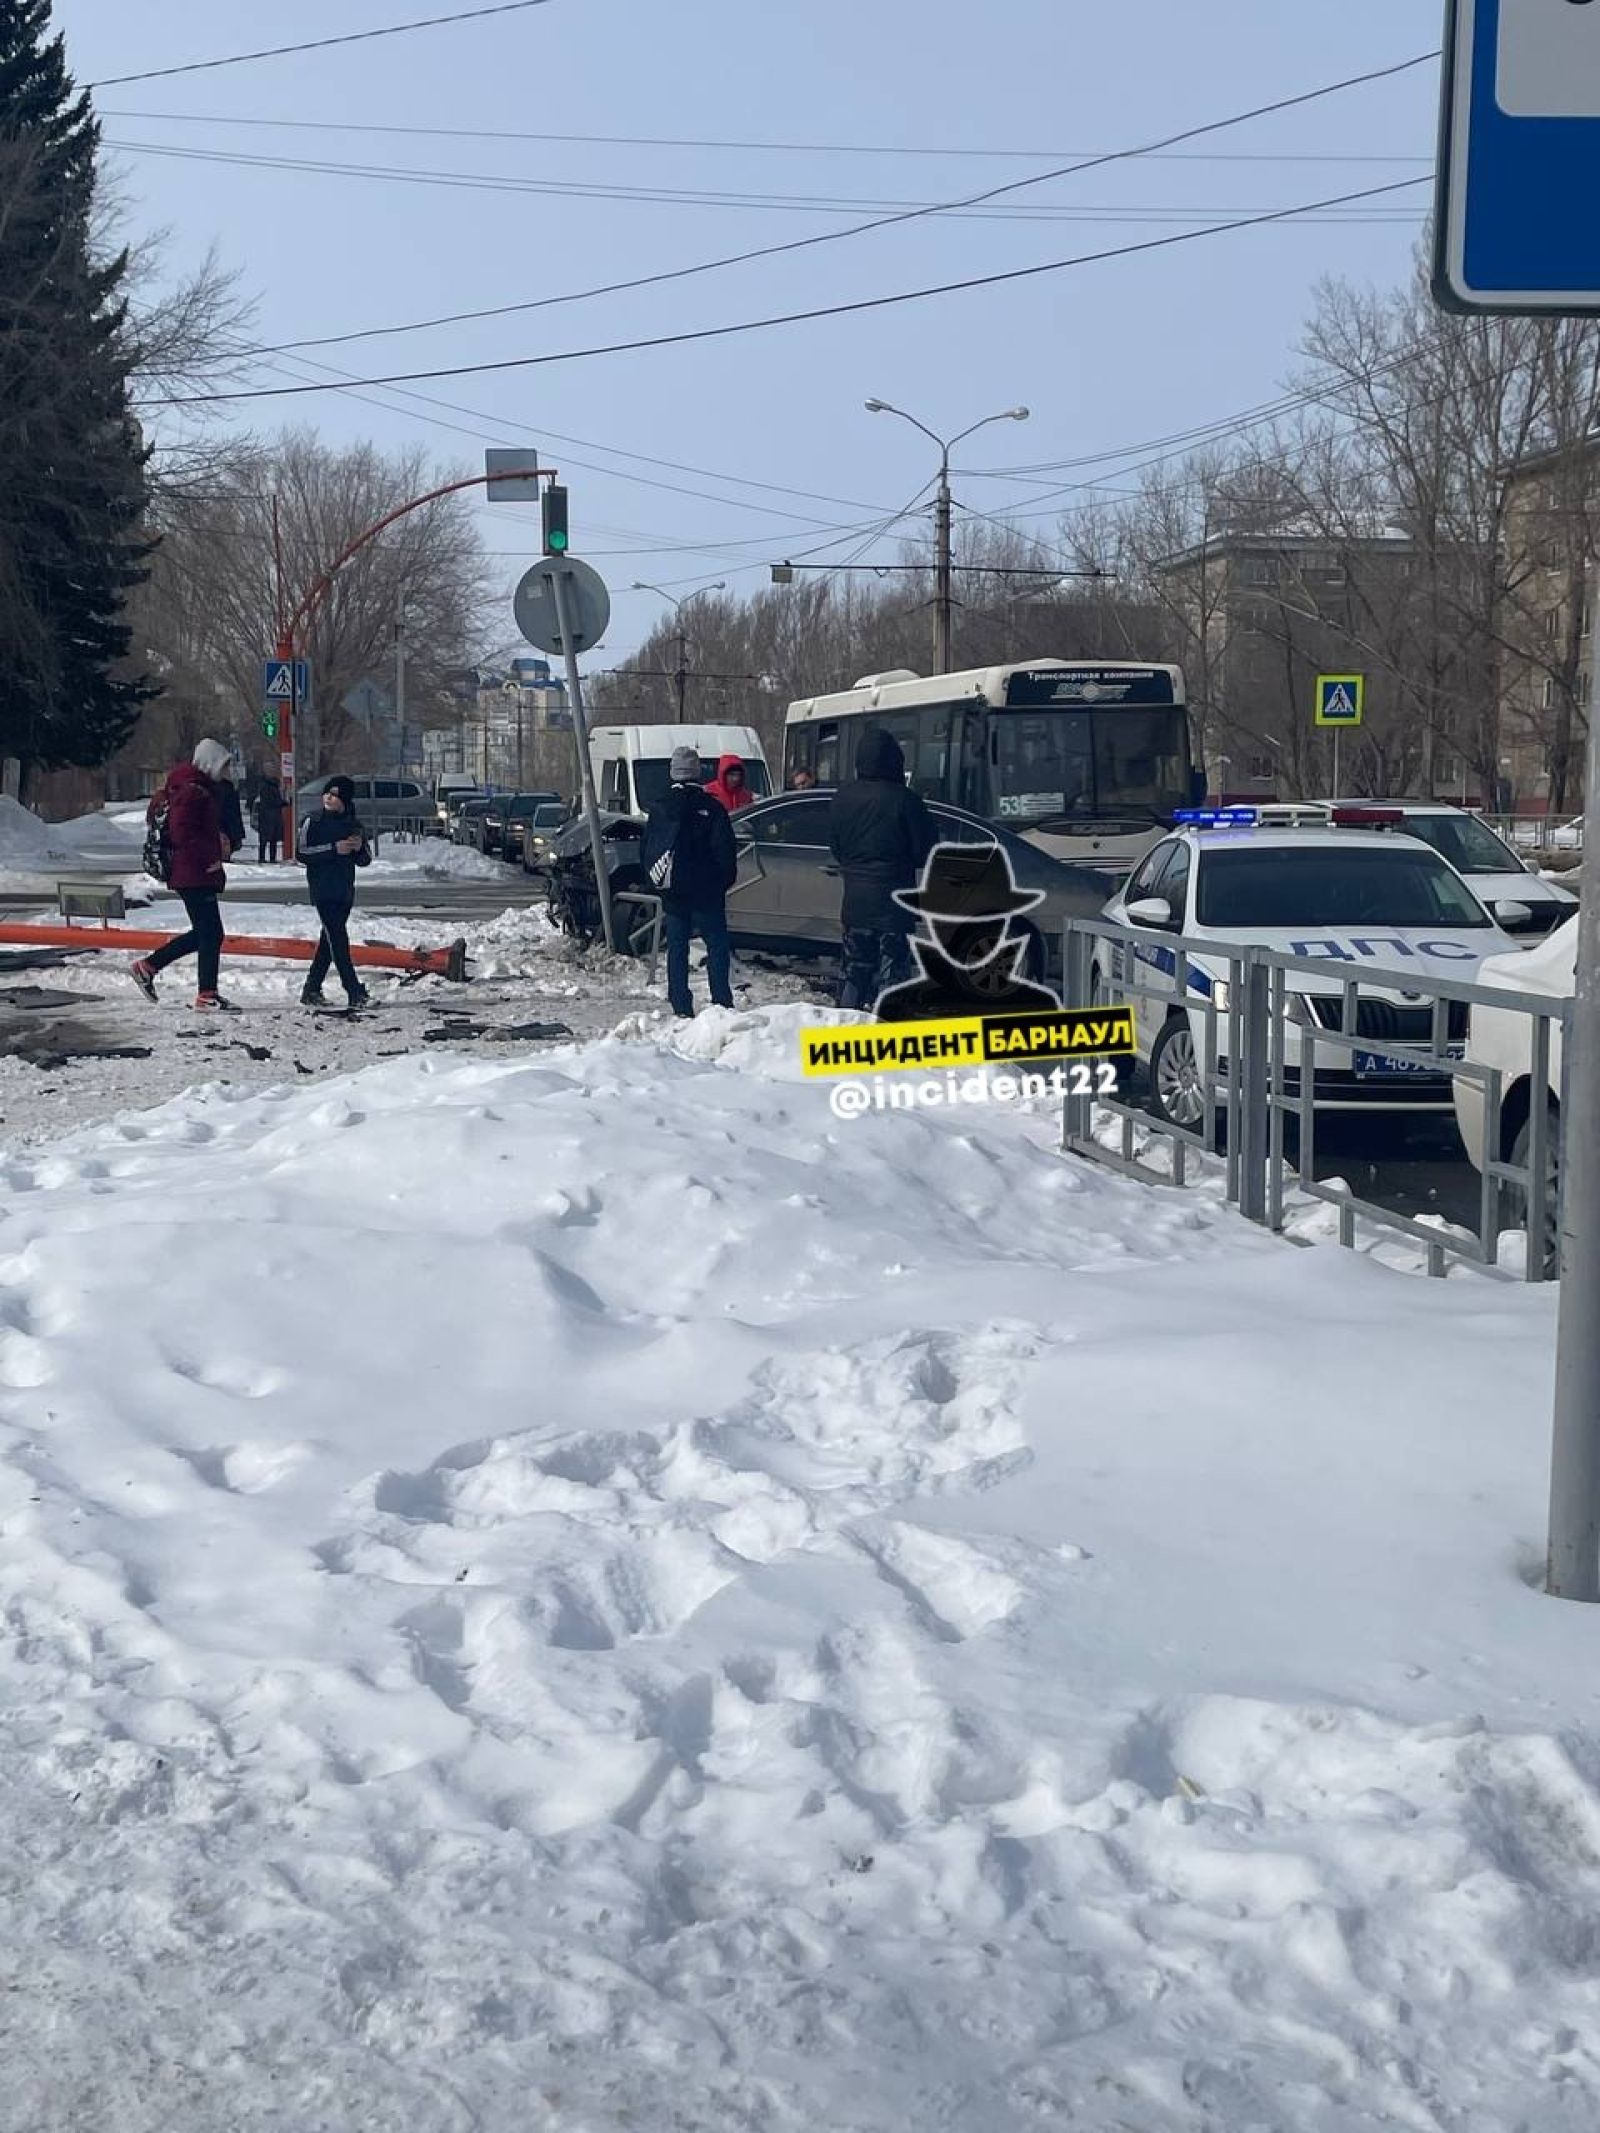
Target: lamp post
{"type": "Point", "coordinates": [943, 600]}
{"type": "Point", "coordinates": [681, 672]}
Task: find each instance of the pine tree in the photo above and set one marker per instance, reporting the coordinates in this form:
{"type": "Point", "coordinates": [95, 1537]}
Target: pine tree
{"type": "Point", "coordinates": [72, 460]}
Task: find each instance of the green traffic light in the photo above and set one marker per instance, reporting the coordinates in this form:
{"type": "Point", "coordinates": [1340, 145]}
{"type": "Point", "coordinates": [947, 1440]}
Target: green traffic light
{"type": "Point", "coordinates": [558, 541]}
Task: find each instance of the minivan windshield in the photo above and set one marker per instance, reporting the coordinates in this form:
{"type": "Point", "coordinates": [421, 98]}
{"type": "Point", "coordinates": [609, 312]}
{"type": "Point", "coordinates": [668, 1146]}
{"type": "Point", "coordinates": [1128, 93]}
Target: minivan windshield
{"type": "Point", "coordinates": [652, 777]}
{"type": "Point", "coordinates": [1406, 885]}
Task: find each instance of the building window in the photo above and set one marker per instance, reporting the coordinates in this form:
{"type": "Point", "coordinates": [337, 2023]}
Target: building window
{"type": "Point", "coordinates": [1552, 622]}
{"type": "Point", "coordinates": [1585, 687]}
{"type": "Point", "coordinates": [1262, 767]}
{"type": "Point", "coordinates": [1586, 620]}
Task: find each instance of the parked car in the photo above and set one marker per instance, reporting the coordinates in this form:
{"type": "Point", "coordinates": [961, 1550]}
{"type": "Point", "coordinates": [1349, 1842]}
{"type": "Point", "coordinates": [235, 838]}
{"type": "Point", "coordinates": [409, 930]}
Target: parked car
{"type": "Point", "coordinates": [449, 791]}
{"type": "Point", "coordinates": [538, 833]}
{"type": "Point", "coordinates": [1342, 893]}
{"type": "Point", "coordinates": [1488, 865]}
{"type": "Point", "coordinates": [1503, 1038]}
{"type": "Point", "coordinates": [1568, 836]}
{"type": "Point", "coordinates": [788, 890]}
{"type": "Point", "coordinates": [504, 819]}
{"type": "Point", "coordinates": [383, 804]}
{"type": "Point", "coordinates": [466, 822]}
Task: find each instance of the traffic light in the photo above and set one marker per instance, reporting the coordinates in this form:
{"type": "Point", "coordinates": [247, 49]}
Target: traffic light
{"type": "Point", "coordinates": [555, 520]}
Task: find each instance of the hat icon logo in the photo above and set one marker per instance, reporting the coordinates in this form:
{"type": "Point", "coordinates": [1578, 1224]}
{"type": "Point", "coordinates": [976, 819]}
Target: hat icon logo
{"type": "Point", "coordinates": [965, 884]}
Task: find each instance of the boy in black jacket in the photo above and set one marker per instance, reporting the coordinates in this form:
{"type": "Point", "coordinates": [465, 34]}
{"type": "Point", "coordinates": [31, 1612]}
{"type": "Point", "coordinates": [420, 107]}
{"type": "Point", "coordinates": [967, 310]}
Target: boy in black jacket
{"type": "Point", "coordinates": [691, 861]}
{"type": "Point", "coordinates": [332, 845]}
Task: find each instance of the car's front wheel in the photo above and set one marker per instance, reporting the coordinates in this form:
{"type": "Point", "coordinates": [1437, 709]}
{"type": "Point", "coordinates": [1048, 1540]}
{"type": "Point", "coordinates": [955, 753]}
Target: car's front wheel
{"type": "Point", "coordinates": [1177, 1090]}
{"type": "Point", "coordinates": [1518, 1196]}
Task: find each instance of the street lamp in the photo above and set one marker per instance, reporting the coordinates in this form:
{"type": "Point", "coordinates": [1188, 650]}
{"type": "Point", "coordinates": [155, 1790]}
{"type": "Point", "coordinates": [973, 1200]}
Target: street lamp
{"type": "Point", "coordinates": [943, 601]}
{"type": "Point", "coordinates": [681, 675]}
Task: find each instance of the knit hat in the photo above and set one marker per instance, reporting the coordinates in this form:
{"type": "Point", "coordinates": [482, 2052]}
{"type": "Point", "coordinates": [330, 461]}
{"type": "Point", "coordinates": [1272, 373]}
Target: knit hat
{"type": "Point", "coordinates": [211, 759]}
{"type": "Point", "coordinates": [345, 788]}
{"type": "Point", "coordinates": [685, 766]}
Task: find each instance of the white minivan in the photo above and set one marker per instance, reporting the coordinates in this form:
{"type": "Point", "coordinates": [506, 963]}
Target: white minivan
{"type": "Point", "coordinates": [633, 764]}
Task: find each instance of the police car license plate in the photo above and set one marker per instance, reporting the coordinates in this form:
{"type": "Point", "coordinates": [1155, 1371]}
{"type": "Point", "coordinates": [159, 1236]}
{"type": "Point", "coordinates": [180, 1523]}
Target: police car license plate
{"type": "Point", "coordinates": [1370, 1064]}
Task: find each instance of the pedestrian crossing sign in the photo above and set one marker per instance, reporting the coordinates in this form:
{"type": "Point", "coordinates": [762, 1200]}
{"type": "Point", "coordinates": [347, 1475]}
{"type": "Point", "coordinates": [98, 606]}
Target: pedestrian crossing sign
{"type": "Point", "coordinates": [1341, 699]}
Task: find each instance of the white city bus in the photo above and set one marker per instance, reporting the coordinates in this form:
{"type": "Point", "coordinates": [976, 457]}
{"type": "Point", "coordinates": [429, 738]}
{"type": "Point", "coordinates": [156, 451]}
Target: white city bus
{"type": "Point", "coordinates": [1090, 760]}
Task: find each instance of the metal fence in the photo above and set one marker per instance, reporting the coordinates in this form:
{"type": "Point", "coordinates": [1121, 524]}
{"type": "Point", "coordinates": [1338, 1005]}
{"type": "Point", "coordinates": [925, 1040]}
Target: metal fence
{"type": "Point", "coordinates": [1249, 1096]}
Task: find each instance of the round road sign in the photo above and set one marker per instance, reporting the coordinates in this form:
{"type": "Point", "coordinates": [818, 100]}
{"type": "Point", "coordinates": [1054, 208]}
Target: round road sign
{"type": "Point", "coordinates": [584, 596]}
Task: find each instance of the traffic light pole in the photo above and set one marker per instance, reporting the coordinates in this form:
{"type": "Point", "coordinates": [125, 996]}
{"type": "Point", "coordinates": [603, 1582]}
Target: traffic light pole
{"type": "Point", "coordinates": [580, 735]}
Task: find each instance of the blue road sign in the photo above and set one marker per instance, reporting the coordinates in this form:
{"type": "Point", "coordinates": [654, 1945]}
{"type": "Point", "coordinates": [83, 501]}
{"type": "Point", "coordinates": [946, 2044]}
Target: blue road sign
{"type": "Point", "coordinates": [1516, 227]}
{"type": "Point", "coordinates": [285, 681]}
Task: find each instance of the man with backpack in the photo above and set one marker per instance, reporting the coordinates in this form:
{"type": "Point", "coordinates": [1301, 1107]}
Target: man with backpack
{"type": "Point", "coordinates": [691, 861]}
{"type": "Point", "coordinates": [185, 846]}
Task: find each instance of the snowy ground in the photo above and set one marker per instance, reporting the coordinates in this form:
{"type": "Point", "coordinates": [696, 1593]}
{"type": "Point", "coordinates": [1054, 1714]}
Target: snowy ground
{"type": "Point", "coordinates": [524, 978]}
{"type": "Point", "coordinates": [574, 1591]}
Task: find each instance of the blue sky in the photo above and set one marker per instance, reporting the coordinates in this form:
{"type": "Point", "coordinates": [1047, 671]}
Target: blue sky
{"type": "Point", "coordinates": [1106, 355]}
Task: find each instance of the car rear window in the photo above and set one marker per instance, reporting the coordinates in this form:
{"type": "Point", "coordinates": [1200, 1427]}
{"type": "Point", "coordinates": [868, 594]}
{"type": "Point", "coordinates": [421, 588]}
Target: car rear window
{"type": "Point", "coordinates": [1322, 886]}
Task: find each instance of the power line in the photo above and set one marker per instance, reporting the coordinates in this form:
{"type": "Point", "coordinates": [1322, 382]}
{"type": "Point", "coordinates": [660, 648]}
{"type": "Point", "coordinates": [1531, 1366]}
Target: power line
{"type": "Point", "coordinates": [794, 318]}
{"type": "Point", "coordinates": [823, 148]}
{"type": "Point", "coordinates": [319, 44]}
{"type": "Point", "coordinates": [679, 196]}
{"type": "Point", "coordinates": [822, 237]}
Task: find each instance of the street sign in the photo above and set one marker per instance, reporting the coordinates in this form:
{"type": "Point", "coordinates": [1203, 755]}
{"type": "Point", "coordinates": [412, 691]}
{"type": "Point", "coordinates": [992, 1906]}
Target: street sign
{"type": "Point", "coordinates": [515, 476]}
{"type": "Point", "coordinates": [286, 681]}
{"type": "Point", "coordinates": [1520, 153]}
{"type": "Point", "coordinates": [588, 605]}
{"type": "Point", "coordinates": [1341, 699]}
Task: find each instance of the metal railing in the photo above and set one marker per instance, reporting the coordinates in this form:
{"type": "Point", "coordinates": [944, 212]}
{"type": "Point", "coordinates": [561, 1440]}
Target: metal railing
{"type": "Point", "coordinates": [1249, 1094]}
{"type": "Point", "coordinates": [1539, 833]}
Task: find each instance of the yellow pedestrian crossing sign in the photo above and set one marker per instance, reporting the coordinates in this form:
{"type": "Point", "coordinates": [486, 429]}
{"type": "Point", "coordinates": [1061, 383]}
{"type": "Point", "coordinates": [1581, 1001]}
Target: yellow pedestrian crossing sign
{"type": "Point", "coordinates": [1341, 699]}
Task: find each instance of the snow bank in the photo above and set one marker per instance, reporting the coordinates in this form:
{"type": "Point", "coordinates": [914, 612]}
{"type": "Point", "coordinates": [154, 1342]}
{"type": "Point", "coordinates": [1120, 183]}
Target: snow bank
{"type": "Point", "coordinates": [29, 846]}
{"type": "Point", "coordinates": [585, 1594]}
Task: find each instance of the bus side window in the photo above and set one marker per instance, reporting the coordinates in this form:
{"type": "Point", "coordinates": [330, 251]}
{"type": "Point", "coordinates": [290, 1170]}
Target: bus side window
{"type": "Point", "coordinates": [930, 764]}
{"type": "Point", "coordinates": [970, 783]}
{"type": "Point", "coordinates": [827, 763]}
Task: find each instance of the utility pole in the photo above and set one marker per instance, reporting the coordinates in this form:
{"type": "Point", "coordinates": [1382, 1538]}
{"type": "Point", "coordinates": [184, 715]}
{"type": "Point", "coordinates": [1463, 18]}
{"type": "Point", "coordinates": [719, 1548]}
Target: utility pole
{"type": "Point", "coordinates": [400, 692]}
{"type": "Point", "coordinates": [942, 590]}
{"type": "Point", "coordinates": [680, 673]}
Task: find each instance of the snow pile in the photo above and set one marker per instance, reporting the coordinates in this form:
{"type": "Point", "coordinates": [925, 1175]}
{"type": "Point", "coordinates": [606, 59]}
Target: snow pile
{"type": "Point", "coordinates": [584, 1594]}
{"type": "Point", "coordinates": [31, 847]}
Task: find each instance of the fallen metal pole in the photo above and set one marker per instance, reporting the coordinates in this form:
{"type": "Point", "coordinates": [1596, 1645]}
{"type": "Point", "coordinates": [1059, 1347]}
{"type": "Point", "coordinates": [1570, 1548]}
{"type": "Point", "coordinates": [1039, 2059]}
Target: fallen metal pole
{"type": "Point", "coordinates": [448, 962]}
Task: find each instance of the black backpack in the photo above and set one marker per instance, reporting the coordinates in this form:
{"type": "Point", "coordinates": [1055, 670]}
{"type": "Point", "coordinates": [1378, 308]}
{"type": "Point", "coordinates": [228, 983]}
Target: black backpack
{"type": "Point", "coordinates": [158, 840]}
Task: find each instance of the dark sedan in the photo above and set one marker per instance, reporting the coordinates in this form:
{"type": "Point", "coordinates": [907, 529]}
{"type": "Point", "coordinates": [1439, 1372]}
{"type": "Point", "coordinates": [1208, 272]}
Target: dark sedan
{"type": "Point", "coordinates": [788, 890]}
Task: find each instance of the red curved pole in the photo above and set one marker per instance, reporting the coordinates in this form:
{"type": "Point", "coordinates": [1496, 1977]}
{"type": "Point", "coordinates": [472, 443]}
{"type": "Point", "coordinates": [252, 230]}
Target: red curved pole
{"type": "Point", "coordinates": [290, 629]}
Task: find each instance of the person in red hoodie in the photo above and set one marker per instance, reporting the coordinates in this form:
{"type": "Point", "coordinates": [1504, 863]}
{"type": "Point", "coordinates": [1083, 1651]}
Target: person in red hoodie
{"type": "Point", "coordinates": [730, 785]}
{"type": "Point", "coordinates": [198, 844]}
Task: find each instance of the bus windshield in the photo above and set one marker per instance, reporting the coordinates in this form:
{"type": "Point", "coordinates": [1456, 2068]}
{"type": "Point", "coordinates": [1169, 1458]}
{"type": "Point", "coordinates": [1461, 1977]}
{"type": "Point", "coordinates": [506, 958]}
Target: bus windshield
{"type": "Point", "coordinates": [1075, 764]}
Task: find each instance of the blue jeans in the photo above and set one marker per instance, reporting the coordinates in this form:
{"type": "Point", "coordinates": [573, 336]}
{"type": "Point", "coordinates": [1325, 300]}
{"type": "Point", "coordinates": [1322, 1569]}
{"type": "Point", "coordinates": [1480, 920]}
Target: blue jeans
{"type": "Point", "coordinates": [710, 921]}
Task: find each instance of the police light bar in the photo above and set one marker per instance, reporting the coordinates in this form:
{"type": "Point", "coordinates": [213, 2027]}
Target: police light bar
{"type": "Point", "coordinates": [1216, 818]}
{"type": "Point", "coordinates": [1360, 818]}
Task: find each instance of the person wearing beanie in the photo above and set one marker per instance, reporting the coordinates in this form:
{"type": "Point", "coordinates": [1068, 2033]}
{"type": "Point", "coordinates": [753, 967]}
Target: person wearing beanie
{"type": "Point", "coordinates": [332, 845]}
{"type": "Point", "coordinates": [197, 843]}
{"type": "Point", "coordinates": [691, 861]}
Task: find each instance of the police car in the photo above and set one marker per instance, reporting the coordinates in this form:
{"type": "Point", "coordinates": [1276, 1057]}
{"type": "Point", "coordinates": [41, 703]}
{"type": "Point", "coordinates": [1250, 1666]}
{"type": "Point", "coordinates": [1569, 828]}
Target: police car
{"type": "Point", "coordinates": [1331, 884]}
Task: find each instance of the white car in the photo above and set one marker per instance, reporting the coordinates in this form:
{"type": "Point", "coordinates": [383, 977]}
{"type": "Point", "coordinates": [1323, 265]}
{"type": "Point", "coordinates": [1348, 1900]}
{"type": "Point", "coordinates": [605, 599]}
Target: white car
{"type": "Point", "coordinates": [1503, 1038]}
{"type": "Point", "coordinates": [1488, 865]}
{"type": "Point", "coordinates": [1352, 897]}
{"type": "Point", "coordinates": [1568, 837]}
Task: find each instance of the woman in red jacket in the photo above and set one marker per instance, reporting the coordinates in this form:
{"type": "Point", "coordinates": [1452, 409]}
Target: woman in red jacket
{"type": "Point", "coordinates": [198, 845]}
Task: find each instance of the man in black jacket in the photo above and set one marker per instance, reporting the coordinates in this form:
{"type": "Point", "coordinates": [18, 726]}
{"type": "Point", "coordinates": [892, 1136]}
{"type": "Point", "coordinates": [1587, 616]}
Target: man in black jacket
{"type": "Point", "coordinates": [880, 834]}
{"type": "Point", "coordinates": [691, 861]}
{"type": "Point", "coordinates": [332, 845]}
